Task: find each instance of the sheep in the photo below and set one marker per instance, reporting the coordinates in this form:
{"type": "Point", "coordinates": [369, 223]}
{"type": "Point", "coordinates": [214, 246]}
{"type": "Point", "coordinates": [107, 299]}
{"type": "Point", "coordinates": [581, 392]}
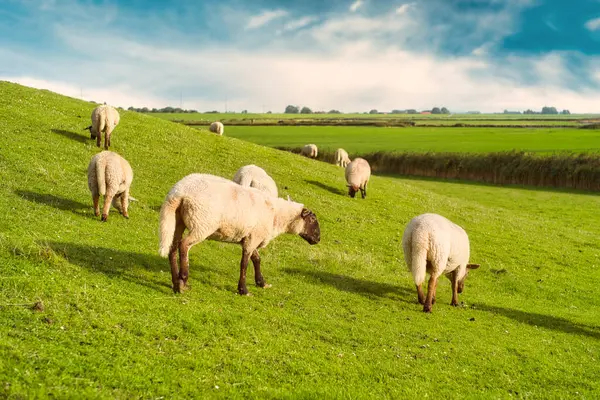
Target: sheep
{"type": "Point", "coordinates": [104, 119]}
{"type": "Point", "coordinates": [310, 151]}
{"type": "Point", "coordinates": [256, 177]}
{"type": "Point", "coordinates": [434, 244]}
{"type": "Point", "coordinates": [110, 175]}
{"type": "Point", "coordinates": [217, 127]}
{"type": "Point", "coordinates": [358, 173]}
{"type": "Point", "coordinates": [215, 208]}
{"type": "Point", "coordinates": [341, 158]}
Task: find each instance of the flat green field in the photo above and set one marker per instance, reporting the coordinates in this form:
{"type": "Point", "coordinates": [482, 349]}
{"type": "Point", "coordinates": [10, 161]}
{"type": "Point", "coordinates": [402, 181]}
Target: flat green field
{"type": "Point", "coordinates": [361, 140]}
{"type": "Point", "coordinates": [341, 320]}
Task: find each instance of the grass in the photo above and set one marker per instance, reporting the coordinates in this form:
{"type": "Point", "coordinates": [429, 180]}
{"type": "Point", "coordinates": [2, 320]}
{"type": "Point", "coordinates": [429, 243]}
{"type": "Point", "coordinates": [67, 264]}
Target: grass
{"type": "Point", "coordinates": [361, 140]}
{"type": "Point", "coordinates": [340, 320]}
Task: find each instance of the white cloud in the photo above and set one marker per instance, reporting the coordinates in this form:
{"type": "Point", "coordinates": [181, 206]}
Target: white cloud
{"type": "Point", "coordinates": [356, 5]}
{"type": "Point", "coordinates": [404, 8]}
{"type": "Point", "coordinates": [299, 23]}
{"type": "Point", "coordinates": [593, 24]}
{"type": "Point", "coordinates": [264, 18]}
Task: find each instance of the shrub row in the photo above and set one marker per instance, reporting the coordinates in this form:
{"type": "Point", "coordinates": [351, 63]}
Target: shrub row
{"type": "Point", "coordinates": [576, 171]}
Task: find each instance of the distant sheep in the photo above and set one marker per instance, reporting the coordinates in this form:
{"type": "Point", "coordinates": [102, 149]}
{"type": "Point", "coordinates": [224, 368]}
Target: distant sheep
{"type": "Point", "coordinates": [358, 173]}
{"type": "Point", "coordinates": [104, 119]}
{"type": "Point", "coordinates": [214, 208]}
{"type": "Point", "coordinates": [341, 158]}
{"type": "Point", "coordinates": [434, 244]}
{"type": "Point", "coordinates": [256, 177]}
{"type": "Point", "coordinates": [110, 175]}
{"type": "Point", "coordinates": [310, 151]}
{"type": "Point", "coordinates": [217, 127]}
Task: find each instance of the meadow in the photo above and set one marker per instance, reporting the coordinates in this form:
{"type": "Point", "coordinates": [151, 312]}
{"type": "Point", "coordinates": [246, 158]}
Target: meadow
{"type": "Point", "coordinates": [362, 140]}
{"type": "Point", "coordinates": [341, 320]}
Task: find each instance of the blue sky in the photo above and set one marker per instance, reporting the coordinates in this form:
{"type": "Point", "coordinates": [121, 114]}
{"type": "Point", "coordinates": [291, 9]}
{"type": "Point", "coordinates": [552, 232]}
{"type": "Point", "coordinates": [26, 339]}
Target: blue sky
{"type": "Point", "coordinates": [486, 55]}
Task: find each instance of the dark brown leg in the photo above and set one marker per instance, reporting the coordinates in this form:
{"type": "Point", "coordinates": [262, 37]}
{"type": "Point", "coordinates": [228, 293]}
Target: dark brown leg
{"type": "Point", "coordinates": [454, 281]}
{"type": "Point", "coordinates": [96, 199]}
{"type": "Point", "coordinates": [179, 228]}
{"type": "Point", "coordinates": [242, 289]}
{"type": "Point", "coordinates": [420, 294]}
{"type": "Point", "coordinates": [125, 203]}
{"type": "Point", "coordinates": [184, 263]}
{"type": "Point", "coordinates": [258, 277]}
{"type": "Point", "coordinates": [430, 294]}
{"type": "Point", "coordinates": [105, 141]}
{"type": "Point", "coordinates": [107, 202]}
{"type": "Point", "coordinates": [108, 136]}
{"type": "Point", "coordinates": [98, 139]}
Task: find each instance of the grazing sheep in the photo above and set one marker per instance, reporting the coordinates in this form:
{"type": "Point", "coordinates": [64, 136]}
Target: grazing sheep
{"type": "Point", "coordinates": [214, 208]}
{"type": "Point", "coordinates": [256, 177]}
{"type": "Point", "coordinates": [358, 173]}
{"type": "Point", "coordinates": [110, 175]}
{"type": "Point", "coordinates": [310, 151]}
{"type": "Point", "coordinates": [434, 244]}
{"type": "Point", "coordinates": [217, 127]}
{"type": "Point", "coordinates": [104, 119]}
{"type": "Point", "coordinates": [341, 158]}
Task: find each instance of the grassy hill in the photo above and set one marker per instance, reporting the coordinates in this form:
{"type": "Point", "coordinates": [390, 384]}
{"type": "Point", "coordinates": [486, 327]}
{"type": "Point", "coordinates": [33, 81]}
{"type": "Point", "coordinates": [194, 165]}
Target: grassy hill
{"type": "Point", "coordinates": [341, 320]}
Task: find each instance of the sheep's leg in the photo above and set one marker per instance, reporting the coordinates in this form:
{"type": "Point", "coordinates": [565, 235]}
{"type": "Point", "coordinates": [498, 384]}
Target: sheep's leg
{"type": "Point", "coordinates": [96, 199]}
{"type": "Point", "coordinates": [258, 278]}
{"type": "Point", "coordinates": [431, 287]}
{"type": "Point", "coordinates": [179, 228]}
{"type": "Point", "coordinates": [454, 281]}
{"type": "Point", "coordinates": [107, 202]}
{"type": "Point", "coordinates": [420, 294]}
{"type": "Point", "coordinates": [125, 203]}
{"type": "Point", "coordinates": [98, 139]}
{"type": "Point", "coordinates": [106, 139]}
{"type": "Point", "coordinates": [242, 289]}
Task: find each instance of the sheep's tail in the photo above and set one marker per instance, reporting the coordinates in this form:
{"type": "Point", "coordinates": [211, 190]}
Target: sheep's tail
{"type": "Point", "coordinates": [168, 221]}
{"type": "Point", "coordinates": [101, 177]}
{"type": "Point", "coordinates": [415, 255]}
{"type": "Point", "coordinates": [102, 120]}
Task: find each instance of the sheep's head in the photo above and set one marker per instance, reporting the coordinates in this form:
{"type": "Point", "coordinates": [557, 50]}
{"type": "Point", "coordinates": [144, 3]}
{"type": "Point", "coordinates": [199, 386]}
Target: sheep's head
{"type": "Point", "coordinates": [352, 189]}
{"type": "Point", "coordinates": [461, 282]}
{"type": "Point", "coordinates": [92, 135]}
{"type": "Point", "coordinates": [311, 231]}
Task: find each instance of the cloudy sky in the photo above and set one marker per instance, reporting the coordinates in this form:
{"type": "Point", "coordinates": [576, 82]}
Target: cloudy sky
{"type": "Point", "coordinates": [260, 55]}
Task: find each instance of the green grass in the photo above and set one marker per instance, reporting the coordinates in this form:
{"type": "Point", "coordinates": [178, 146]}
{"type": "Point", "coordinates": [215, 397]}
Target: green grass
{"type": "Point", "coordinates": [361, 140]}
{"type": "Point", "coordinates": [340, 320]}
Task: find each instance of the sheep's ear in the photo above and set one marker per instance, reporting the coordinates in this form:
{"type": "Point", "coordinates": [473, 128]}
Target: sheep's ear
{"type": "Point", "coordinates": [305, 213]}
{"type": "Point", "coordinates": [89, 128]}
{"type": "Point", "coordinates": [472, 266]}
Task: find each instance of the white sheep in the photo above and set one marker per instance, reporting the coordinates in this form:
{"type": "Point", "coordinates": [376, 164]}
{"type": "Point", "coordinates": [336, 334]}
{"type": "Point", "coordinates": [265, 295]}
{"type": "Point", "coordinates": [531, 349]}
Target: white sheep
{"type": "Point", "coordinates": [434, 244]}
{"type": "Point", "coordinates": [341, 158]}
{"type": "Point", "coordinates": [358, 173]}
{"type": "Point", "coordinates": [214, 208]}
{"type": "Point", "coordinates": [104, 119]}
{"type": "Point", "coordinates": [310, 150]}
{"type": "Point", "coordinates": [256, 177]}
{"type": "Point", "coordinates": [110, 175]}
{"type": "Point", "coordinates": [217, 127]}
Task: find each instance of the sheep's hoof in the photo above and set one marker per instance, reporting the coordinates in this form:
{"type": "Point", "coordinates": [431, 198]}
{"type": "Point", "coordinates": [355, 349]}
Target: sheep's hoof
{"type": "Point", "coordinates": [427, 308]}
{"type": "Point", "coordinates": [183, 286]}
{"type": "Point", "coordinates": [97, 213]}
{"type": "Point", "coordinates": [454, 304]}
{"type": "Point", "coordinates": [266, 286]}
{"type": "Point", "coordinates": [126, 216]}
{"type": "Point", "coordinates": [104, 217]}
{"type": "Point", "coordinates": [243, 291]}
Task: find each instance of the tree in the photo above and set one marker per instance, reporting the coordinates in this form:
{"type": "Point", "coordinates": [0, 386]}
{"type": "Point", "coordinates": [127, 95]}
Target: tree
{"type": "Point", "coordinates": [529, 111]}
{"type": "Point", "coordinates": [269, 112]}
{"type": "Point", "coordinates": [306, 110]}
{"type": "Point", "coordinates": [411, 111]}
{"type": "Point", "coordinates": [436, 110]}
{"type": "Point", "coordinates": [373, 111]}
{"type": "Point", "coordinates": [292, 110]}
{"type": "Point", "coordinates": [244, 112]}
{"type": "Point", "coordinates": [445, 110]}
{"type": "Point", "coordinates": [397, 112]}
{"type": "Point", "coordinates": [549, 110]}
{"type": "Point", "coordinates": [566, 112]}
{"type": "Point", "coordinates": [334, 112]}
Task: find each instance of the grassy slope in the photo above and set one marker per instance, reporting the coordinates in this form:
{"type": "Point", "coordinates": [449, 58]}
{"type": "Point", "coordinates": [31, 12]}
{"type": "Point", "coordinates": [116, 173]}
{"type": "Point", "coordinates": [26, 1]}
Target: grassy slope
{"type": "Point", "coordinates": [363, 140]}
{"type": "Point", "coordinates": [341, 318]}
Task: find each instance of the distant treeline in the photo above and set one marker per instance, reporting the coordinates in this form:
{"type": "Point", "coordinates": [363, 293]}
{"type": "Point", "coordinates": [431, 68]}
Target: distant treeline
{"type": "Point", "coordinates": [575, 171]}
{"type": "Point", "coordinates": [163, 110]}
